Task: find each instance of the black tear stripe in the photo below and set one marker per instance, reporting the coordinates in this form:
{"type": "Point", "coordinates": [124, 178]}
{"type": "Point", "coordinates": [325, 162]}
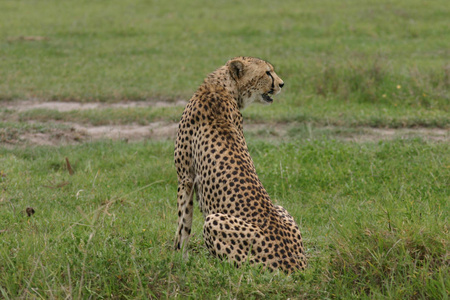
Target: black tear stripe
{"type": "Point", "coordinates": [273, 81]}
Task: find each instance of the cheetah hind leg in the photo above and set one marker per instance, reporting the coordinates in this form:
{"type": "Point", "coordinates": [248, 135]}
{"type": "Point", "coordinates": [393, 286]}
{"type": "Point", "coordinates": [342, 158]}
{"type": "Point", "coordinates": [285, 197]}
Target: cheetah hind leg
{"type": "Point", "coordinates": [298, 250]}
{"type": "Point", "coordinates": [232, 238]}
{"type": "Point", "coordinates": [185, 214]}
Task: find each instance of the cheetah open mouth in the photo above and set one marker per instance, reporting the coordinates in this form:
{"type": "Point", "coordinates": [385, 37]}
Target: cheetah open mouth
{"type": "Point", "coordinates": [267, 97]}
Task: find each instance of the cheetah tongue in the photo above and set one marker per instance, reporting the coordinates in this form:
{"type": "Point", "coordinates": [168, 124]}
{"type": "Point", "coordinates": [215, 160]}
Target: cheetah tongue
{"type": "Point", "coordinates": [267, 98]}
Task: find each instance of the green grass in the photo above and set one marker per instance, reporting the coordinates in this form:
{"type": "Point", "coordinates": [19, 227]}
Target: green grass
{"type": "Point", "coordinates": [374, 217]}
{"type": "Point", "coordinates": [331, 55]}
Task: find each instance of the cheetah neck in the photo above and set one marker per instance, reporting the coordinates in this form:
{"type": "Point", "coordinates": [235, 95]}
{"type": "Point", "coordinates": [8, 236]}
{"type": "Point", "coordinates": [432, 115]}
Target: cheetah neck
{"type": "Point", "coordinates": [222, 77]}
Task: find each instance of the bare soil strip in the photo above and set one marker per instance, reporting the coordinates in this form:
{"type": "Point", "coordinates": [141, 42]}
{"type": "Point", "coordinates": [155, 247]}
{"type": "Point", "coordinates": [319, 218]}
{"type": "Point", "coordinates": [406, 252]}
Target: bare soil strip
{"type": "Point", "coordinates": [78, 133]}
{"type": "Point", "coordinates": [156, 130]}
{"type": "Point", "coordinates": [21, 106]}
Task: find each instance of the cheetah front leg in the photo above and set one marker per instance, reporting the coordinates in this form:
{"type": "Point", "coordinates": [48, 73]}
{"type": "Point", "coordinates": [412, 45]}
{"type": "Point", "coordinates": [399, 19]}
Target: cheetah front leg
{"type": "Point", "coordinates": [185, 203]}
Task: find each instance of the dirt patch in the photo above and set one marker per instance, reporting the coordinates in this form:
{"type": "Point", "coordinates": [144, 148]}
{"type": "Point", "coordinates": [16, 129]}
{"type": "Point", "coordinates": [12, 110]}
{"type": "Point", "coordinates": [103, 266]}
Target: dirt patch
{"type": "Point", "coordinates": [435, 134]}
{"type": "Point", "coordinates": [358, 135]}
{"type": "Point", "coordinates": [79, 133]}
{"type": "Point", "coordinates": [72, 133]}
{"type": "Point", "coordinates": [157, 130]}
{"type": "Point", "coordinates": [21, 106]}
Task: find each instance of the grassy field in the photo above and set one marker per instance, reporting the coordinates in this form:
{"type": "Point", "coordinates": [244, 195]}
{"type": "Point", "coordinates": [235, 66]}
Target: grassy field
{"type": "Point", "coordinates": [374, 212]}
{"type": "Point", "coordinates": [374, 217]}
{"type": "Point", "coordinates": [378, 63]}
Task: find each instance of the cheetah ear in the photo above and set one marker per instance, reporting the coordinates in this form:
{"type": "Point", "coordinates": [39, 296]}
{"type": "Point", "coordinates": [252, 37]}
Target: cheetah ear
{"type": "Point", "coordinates": [236, 69]}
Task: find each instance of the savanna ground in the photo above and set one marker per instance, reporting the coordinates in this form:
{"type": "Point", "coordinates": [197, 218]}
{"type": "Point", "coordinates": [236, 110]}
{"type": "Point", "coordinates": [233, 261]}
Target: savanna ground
{"type": "Point", "coordinates": [356, 147]}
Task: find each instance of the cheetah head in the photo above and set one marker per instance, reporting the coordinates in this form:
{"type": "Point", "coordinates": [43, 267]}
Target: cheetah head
{"type": "Point", "coordinates": [256, 80]}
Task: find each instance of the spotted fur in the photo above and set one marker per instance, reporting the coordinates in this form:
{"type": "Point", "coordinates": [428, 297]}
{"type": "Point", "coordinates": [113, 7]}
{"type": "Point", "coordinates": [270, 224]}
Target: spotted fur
{"type": "Point", "coordinates": [212, 161]}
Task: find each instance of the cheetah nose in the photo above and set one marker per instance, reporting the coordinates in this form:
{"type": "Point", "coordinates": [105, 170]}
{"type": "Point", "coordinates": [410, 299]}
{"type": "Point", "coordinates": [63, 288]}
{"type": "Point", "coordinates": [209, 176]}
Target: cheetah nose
{"type": "Point", "coordinates": [281, 84]}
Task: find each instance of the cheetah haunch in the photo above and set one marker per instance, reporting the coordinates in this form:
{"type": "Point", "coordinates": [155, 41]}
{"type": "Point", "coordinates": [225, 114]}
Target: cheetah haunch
{"type": "Point", "coordinates": [212, 160]}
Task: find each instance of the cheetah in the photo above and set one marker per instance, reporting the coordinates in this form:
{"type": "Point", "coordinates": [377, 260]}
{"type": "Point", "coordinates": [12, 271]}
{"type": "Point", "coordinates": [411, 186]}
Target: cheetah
{"type": "Point", "coordinates": [212, 160]}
